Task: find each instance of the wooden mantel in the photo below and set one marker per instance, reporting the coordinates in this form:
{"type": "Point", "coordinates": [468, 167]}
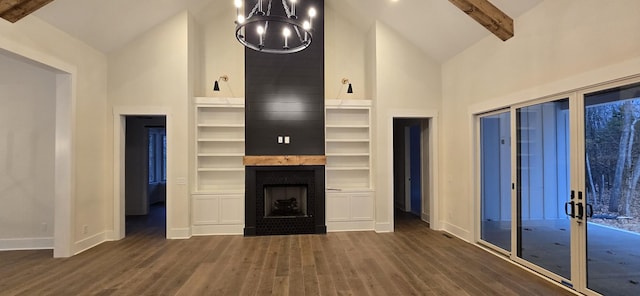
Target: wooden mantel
{"type": "Point", "coordinates": [283, 160]}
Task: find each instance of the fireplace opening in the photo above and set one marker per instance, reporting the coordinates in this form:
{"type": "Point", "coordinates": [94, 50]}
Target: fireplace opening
{"type": "Point", "coordinates": [285, 201]}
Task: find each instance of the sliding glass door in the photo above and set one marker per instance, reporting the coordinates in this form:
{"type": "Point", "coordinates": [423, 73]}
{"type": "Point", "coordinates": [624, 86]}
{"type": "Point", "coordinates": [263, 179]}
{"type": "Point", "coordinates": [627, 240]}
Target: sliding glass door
{"type": "Point", "coordinates": [563, 198]}
{"type": "Point", "coordinates": [612, 204]}
{"type": "Point", "coordinates": [495, 183]}
{"type": "Point", "coordinates": [543, 228]}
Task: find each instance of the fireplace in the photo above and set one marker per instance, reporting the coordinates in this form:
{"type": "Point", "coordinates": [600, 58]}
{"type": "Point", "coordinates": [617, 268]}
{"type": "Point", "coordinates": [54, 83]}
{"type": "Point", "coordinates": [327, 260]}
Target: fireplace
{"type": "Point", "coordinates": [284, 200]}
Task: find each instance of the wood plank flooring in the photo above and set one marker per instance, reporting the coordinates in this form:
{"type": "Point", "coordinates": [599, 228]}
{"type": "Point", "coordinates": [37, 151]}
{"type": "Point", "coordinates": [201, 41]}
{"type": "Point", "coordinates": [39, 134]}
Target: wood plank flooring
{"type": "Point", "coordinates": [412, 261]}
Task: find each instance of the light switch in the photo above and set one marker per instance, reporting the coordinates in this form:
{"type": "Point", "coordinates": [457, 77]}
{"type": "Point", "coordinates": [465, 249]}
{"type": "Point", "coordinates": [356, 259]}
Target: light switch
{"type": "Point", "coordinates": [287, 140]}
{"type": "Point", "coordinates": [279, 139]}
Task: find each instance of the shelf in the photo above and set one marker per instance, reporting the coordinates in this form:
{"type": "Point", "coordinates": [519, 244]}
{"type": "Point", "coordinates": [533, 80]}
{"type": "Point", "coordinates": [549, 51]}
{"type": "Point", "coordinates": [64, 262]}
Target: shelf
{"type": "Point", "coordinates": [347, 140]}
{"type": "Point", "coordinates": [221, 155]}
{"type": "Point", "coordinates": [346, 154]}
{"type": "Point", "coordinates": [347, 168]}
{"type": "Point", "coordinates": [231, 191]}
{"type": "Point", "coordinates": [221, 169]}
{"type": "Point", "coordinates": [354, 126]}
{"type": "Point", "coordinates": [219, 137]}
{"type": "Point", "coordinates": [237, 125]}
{"type": "Point", "coordinates": [348, 145]}
{"type": "Point", "coordinates": [220, 140]}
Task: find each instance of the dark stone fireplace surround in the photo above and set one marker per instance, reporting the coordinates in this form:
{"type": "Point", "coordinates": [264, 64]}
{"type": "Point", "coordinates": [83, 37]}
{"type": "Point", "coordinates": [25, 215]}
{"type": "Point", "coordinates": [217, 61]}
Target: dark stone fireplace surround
{"type": "Point", "coordinates": [257, 177]}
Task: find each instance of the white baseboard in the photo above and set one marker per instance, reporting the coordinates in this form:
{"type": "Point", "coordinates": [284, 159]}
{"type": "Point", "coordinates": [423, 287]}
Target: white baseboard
{"type": "Point", "coordinates": [28, 243]}
{"type": "Point", "coordinates": [384, 227]}
{"type": "Point", "coordinates": [337, 226]}
{"type": "Point", "coordinates": [199, 230]}
{"type": "Point", "coordinates": [426, 218]}
{"type": "Point", "coordinates": [89, 242]}
{"type": "Point", "coordinates": [457, 231]}
{"type": "Point", "coordinates": [110, 235]}
{"type": "Point", "coordinates": [179, 233]}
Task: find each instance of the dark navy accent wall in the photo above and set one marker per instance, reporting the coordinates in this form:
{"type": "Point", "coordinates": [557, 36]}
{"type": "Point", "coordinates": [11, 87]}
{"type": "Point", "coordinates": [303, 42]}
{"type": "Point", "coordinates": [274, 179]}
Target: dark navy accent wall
{"type": "Point", "coordinates": [284, 94]}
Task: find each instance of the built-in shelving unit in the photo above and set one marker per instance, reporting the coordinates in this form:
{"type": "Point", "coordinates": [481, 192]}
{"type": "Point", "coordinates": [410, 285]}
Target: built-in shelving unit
{"type": "Point", "coordinates": [348, 144]}
{"type": "Point", "coordinates": [218, 196]}
{"type": "Point", "coordinates": [350, 201]}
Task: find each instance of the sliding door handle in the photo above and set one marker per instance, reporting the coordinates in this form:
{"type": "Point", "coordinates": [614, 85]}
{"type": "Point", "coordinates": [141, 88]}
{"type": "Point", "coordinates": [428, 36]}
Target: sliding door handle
{"type": "Point", "coordinates": [589, 211]}
{"type": "Point", "coordinates": [580, 211]}
{"type": "Point", "coordinates": [569, 209]}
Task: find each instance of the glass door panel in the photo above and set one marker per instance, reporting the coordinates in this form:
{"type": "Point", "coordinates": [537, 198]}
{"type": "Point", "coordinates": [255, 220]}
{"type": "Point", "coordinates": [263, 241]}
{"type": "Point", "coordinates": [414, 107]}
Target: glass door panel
{"type": "Point", "coordinates": [495, 183]}
{"type": "Point", "coordinates": [543, 178]}
{"type": "Point", "coordinates": [612, 173]}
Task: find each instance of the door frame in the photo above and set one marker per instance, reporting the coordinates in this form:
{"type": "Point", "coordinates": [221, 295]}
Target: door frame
{"type": "Point", "coordinates": [429, 196]}
{"type": "Point", "coordinates": [579, 87]}
{"type": "Point", "coordinates": [65, 136]}
{"type": "Point", "coordinates": [580, 166]}
{"type": "Point", "coordinates": [119, 133]}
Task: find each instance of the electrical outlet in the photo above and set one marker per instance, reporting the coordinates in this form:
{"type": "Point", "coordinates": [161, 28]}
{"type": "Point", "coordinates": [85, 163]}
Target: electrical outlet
{"type": "Point", "coordinates": [287, 140]}
{"type": "Point", "coordinates": [44, 227]}
{"type": "Point", "coordinates": [280, 140]}
{"type": "Point", "coordinates": [85, 229]}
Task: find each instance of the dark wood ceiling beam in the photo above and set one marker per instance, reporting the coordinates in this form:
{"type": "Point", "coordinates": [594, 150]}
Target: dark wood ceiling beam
{"type": "Point", "coordinates": [14, 10]}
{"type": "Point", "coordinates": [489, 16]}
{"type": "Point", "coordinates": [6, 5]}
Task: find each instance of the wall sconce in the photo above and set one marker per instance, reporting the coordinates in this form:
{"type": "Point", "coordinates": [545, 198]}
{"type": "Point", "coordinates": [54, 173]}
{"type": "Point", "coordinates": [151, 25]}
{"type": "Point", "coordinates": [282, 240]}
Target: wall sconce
{"type": "Point", "coordinates": [349, 89]}
{"type": "Point", "coordinates": [216, 86]}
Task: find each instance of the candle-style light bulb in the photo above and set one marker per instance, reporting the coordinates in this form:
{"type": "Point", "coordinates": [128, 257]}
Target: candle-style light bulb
{"type": "Point", "coordinates": [293, 8]}
{"type": "Point", "coordinates": [312, 14]}
{"type": "Point", "coordinates": [260, 33]}
{"type": "Point", "coordinates": [306, 25]}
{"type": "Point", "coordinates": [286, 32]}
{"type": "Point", "coordinates": [238, 4]}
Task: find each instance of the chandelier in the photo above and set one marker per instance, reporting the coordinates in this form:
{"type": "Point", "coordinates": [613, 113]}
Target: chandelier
{"type": "Point", "coordinates": [275, 28]}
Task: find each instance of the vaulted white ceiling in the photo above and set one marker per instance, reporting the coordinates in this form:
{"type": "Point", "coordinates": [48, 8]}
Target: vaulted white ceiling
{"type": "Point", "coordinates": [436, 26]}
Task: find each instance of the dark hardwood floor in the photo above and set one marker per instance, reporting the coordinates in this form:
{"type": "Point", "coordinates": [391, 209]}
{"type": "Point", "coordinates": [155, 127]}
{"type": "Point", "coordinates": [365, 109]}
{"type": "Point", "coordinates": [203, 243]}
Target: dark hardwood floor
{"type": "Point", "coordinates": [412, 261]}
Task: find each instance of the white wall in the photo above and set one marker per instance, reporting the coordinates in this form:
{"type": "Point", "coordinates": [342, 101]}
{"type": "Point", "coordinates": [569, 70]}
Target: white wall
{"type": "Point", "coordinates": [407, 84]}
{"type": "Point", "coordinates": [221, 54]}
{"type": "Point", "coordinates": [558, 46]}
{"type": "Point", "coordinates": [345, 56]}
{"type": "Point", "coordinates": [27, 138]}
{"type": "Point", "coordinates": [151, 73]}
{"type": "Point", "coordinates": [38, 40]}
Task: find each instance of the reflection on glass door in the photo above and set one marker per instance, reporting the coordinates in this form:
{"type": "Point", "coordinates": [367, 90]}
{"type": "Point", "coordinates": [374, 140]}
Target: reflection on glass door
{"type": "Point", "coordinates": [612, 173]}
{"type": "Point", "coordinates": [495, 183]}
{"type": "Point", "coordinates": [542, 155]}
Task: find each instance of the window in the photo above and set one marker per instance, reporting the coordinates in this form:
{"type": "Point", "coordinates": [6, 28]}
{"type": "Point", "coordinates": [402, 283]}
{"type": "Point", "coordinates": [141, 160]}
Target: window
{"type": "Point", "coordinates": [157, 155]}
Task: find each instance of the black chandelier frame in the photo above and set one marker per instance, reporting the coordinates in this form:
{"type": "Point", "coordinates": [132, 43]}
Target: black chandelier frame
{"type": "Point", "coordinates": [303, 35]}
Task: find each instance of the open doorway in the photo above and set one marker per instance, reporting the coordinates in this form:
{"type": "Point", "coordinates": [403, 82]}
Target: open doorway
{"type": "Point", "coordinates": [145, 175]}
{"type": "Point", "coordinates": [35, 153]}
{"type": "Point", "coordinates": [410, 169]}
